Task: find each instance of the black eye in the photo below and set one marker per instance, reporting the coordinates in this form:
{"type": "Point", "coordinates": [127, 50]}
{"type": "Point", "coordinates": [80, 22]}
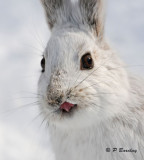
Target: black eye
{"type": "Point", "coordinates": [87, 62]}
{"type": "Point", "coordinates": [43, 64]}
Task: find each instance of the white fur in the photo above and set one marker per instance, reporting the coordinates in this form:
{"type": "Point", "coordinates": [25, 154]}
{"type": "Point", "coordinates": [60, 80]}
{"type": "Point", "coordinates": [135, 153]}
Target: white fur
{"type": "Point", "coordinates": [110, 109]}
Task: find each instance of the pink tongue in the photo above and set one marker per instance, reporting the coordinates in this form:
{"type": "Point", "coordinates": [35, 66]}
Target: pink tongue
{"type": "Point", "coordinates": [67, 106]}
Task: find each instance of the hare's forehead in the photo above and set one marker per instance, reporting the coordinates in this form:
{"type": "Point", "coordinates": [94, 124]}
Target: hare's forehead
{"type": "Point", "coordinates": [69, 43]}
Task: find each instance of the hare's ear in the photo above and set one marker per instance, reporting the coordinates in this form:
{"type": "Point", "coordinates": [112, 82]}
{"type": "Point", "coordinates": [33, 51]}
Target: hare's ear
{"type": "Point", "coordinates": [55, 10]}
{"type": "Point", "coordinates": [93, 14]}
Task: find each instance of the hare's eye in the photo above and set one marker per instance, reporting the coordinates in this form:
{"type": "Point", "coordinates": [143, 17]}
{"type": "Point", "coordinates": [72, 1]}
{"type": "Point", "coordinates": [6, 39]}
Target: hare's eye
{"type": "Point", "coordinates": [87, 62]}
{"type": "Point", "coordinates": [43, 64]}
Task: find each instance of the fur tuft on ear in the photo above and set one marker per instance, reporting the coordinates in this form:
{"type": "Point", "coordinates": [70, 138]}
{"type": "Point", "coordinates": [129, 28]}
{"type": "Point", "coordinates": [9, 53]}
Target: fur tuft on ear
{"type": "Point", "coordinates": [56, 11]}
{"type": "Point", "coordinates": [93, 14]}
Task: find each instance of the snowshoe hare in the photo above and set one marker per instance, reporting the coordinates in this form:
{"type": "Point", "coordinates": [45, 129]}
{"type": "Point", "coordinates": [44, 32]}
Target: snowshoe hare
{"type": "Point", "coordinates": [93, 107]}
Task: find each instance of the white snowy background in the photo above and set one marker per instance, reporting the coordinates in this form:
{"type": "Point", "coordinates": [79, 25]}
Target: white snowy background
{"type": "Point", "coordinates": [23, 36]}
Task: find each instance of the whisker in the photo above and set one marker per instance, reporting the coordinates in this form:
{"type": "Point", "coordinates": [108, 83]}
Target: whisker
{"type": "Point", "coordinates": [47, 125]}
{"type": "Point", "coordinates": [27, 105]}
{"type": "Point", "coordinates": [127, 66]}
{"type": "Point", "coordinates": [91, 85]}
{"type": "Point", "coordinates": [92, 72]}
{"type": "Point", "coordinates": [103, 94]}
{"type": "Point", "coordinates": [115, 68]}
{"type": "Point", "coordinates": [35, 75]}
{"type": "Point", "coordinates": [21, 107]}
{"type": "Point", "coordinates": [33, 93]}
{"type": "Point", "coordinates": [77, 78]}
{"type": "Point", "coordinates": [37, 49]}
{"type": "Point", "coordinates": [70, 81]}
{"type": "Point", "coordinates": [35, 118]}
{"type": "Point", "coordinates": [46, 116]}
{"type": "Point", "coordinates": [26, 98]}
{"type": "Point", "coordinates": [37, 37]}
{"type": "Point", "coordinates": [73, 84]}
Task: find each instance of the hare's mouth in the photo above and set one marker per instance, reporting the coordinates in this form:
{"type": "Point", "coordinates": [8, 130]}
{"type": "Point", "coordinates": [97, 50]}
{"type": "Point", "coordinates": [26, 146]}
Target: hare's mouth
{"type": "Point", "coordinates": [67, 107]}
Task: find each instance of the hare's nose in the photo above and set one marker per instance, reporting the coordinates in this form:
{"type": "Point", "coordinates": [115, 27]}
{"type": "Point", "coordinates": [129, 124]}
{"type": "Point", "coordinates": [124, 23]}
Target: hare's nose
{"type": "Point", "coordinates": [59, 100]}
{"type": "Point", "coordinates": [66, 106]}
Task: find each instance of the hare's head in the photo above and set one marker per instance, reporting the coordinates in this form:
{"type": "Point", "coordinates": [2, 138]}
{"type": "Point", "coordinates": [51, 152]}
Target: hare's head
{"type": "Point", "coordinates": [81, 80]}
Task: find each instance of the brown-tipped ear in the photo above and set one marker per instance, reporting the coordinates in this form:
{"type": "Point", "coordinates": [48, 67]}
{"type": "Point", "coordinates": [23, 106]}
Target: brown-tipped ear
{"type": "Point", "coordinates": [93, 13]}
{"type": "Point", "coordinates": [55, 11]}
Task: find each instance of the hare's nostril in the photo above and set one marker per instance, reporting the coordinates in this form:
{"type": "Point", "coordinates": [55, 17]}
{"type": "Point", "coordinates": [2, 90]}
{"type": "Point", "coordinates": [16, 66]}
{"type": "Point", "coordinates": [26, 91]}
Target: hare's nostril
{"type": "Point", "coordinates": [59, 100]}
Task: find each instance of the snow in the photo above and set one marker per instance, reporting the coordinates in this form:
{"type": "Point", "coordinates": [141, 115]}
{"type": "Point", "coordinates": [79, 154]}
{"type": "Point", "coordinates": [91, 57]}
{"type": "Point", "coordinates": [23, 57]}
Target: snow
{"type": "Point", "coordinates": [23, 36]}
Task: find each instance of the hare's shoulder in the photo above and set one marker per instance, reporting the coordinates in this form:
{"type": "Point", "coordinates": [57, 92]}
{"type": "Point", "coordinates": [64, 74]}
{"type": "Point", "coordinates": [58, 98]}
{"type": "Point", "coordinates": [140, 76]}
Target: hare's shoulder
{"type": "Point", "coordinates": [137, 92]}
{"type": "Point", "coordinates": [133, 118]}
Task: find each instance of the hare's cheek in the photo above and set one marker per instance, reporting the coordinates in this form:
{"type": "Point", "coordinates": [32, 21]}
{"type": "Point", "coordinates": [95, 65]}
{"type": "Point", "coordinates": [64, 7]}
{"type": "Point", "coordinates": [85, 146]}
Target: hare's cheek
{"type": "Point", "coordinates": [86, 99]}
